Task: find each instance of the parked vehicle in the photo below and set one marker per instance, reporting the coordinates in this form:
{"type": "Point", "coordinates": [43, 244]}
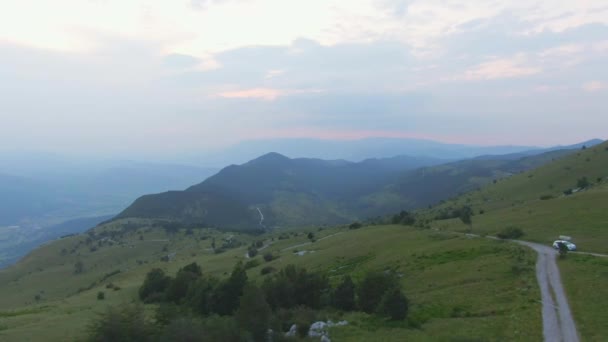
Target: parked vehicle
{"type": "Point", "coordinates": [568, 244]}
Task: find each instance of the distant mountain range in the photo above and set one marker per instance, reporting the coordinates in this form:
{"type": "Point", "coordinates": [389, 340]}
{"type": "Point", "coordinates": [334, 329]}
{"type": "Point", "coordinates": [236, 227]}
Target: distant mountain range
{"type": "Point", "coordinates": [359, 150]}
{"type": "Point", "coordinates": [276, 191]}
{"type": "Point", "coordinates": [351, 150]}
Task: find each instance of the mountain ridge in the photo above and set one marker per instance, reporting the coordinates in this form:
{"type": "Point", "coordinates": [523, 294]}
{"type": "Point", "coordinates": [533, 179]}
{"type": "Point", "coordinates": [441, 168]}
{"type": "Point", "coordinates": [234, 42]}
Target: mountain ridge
{"type": "Point", "coordinates": [310, 191]}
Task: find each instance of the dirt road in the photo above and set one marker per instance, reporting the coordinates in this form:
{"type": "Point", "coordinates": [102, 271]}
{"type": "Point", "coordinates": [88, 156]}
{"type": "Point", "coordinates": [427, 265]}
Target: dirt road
{"type": "Point", "coordinates": [558, 323]}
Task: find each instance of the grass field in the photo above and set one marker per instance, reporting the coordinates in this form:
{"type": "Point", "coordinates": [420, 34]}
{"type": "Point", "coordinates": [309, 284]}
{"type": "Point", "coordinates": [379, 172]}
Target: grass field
{"type": "Point", "coordinates": [516, 201]}
{"type": "Point", "coordinates": [585, 278]}
{"type": "Point", "coordinates": [458, 287]}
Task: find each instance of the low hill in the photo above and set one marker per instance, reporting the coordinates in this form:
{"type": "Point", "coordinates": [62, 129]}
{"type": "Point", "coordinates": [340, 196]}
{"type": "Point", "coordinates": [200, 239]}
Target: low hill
{"type": "Point", "coordinates": [568, 196]}
{"type": "Point", "coordinates": [276, 191]}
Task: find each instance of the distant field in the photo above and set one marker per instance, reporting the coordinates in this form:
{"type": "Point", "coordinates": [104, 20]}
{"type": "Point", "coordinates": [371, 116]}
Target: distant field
{"type": "Point", "coordinates": [458, 287]}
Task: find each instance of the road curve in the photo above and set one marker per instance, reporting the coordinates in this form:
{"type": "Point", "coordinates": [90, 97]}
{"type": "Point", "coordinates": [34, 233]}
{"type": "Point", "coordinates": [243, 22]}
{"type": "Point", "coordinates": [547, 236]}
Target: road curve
{"type": "Point", "coordinates": [558, 323]}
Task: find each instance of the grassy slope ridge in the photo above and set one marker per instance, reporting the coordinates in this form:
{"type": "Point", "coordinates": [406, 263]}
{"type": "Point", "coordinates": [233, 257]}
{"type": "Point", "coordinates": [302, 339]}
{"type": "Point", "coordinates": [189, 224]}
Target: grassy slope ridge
{"type": "Point", "coordinates": [458, 287]}
{"type": "Point", "coordinates": [516, 201]}
{"type": "Point", "coordinates": [308, 192]}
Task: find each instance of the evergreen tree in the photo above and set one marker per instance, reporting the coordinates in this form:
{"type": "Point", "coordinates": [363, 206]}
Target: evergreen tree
{"type": "Point", "coordinates": [344, 295]}
{"type": "Point", "coordinates": [254, 313]}
{"type": "Point", "coordinates": [394, 304]}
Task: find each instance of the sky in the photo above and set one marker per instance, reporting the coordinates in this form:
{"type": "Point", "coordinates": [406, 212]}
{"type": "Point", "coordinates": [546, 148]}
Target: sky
{"type": "Point", "coordinates": [116, 77]}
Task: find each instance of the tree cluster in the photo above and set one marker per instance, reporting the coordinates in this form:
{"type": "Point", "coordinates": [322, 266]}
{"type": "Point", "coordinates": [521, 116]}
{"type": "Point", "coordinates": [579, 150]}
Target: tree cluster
{"type": "Point", "coordinates": [240, 310]}
{"type": "Point", "coordinates": [405, 218]}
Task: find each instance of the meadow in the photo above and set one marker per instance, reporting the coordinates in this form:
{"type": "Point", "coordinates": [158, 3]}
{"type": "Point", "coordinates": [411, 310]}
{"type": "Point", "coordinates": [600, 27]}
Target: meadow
{"type": "Point", "coordinates": [458, 287]}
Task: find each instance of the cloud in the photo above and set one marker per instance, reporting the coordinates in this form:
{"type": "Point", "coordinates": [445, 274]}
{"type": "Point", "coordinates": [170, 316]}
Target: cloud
{"type": "Point", "coordinates": [500, 68]}
{"type": "Point", "coordinates": [267, 94]}
{"type": "Point", "coordinates": [594, 86]}
{"type": "Point", "coordinates": [177, 60]}
{"type": "Point", "coordinates": [165, 77]}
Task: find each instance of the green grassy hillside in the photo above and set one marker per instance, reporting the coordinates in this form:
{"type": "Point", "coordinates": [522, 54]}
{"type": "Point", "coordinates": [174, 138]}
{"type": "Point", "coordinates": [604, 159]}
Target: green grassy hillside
{"type": "Point", "coordinates": [458, 287]}
{"type": "Point", "coordinates": [535, 202]}
{"type": "Point", "coordinates": [545, 203]}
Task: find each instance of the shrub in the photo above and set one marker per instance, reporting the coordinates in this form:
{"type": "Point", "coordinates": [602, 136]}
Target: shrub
{"type": "Point", "coordinates": [252, 263]}
{"type": "Point", "coordinates": [355, 225]}
{"type": "Point", "coordinates": [267, 270]}
{"type": "Point", "coordinates": [154, 285]}
{"type": "Point", "coordinates": [344, 295]}
{"type": "Point", "coordinates": [78, 267]}
{"type": "Point", "coordinates": [268, 257]}
{"type": "Point", "coordinates": [582, 182]}
{"type": "Point", "coordinates": [101, 295]}
{"type": "Point", "coordinates": [510, 233]}
{"type": "Point", "coordinates": [546, 197]}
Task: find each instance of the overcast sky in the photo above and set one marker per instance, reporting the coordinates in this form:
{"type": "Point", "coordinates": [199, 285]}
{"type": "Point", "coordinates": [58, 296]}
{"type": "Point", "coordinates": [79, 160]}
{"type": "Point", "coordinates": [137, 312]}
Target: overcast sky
{"type": "Point", "coordinates": [144, 76]}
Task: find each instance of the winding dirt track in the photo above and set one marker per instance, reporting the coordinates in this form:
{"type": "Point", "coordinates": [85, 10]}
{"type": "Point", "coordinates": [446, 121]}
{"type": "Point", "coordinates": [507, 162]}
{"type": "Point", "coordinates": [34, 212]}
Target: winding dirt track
{"type": "Point", "coordinates": [558, 323]}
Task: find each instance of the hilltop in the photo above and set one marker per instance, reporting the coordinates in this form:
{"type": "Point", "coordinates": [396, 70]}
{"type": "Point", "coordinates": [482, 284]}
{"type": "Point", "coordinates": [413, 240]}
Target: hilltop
{"type": "Point", "coordinates": [276, 191]}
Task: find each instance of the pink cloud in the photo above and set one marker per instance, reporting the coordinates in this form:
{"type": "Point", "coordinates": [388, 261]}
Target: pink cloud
{"type": "Point", "coordinates": [594, 86]}
{"type": "Point", "coordinates": [266, 94]}
{"type": "Point", "coordinates": [499, 68]}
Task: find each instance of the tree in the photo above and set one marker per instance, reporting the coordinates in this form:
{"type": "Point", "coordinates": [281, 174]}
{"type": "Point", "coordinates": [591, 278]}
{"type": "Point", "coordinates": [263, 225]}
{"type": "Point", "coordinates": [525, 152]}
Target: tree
{"type": "Point", "coordinates": [344, 295]}
{"type": "Point", "coordinates": [226, 297]}
{"type": "Point", "coordinates": [101, 295]}
{"type": "Point", "coordinates": [78, 267]}
{"type": "Point", "coordinates": [294, 286]}
{"type": "Point", "coordinates": [394, 304]}
{"type": "Point", "coordinates": [201, 295]}
{"type": "Point", "coordinates": [154, 285]}
{"type": "Point", "coordinates": [127, 323]}
{"type": "Point", "coordinates": [254, 313]}
{"type": "Point", "coordinates": [582, 182]}
{"type": "Point", "coordinates": [404, 218]}
{"type": "Point", "coordinates": [371, 289]}
{"type": "Point", "coordinates": [311, 236]}
{"type": "Point", "coordinates": [178, 287]}
{"type": "Point", "coordinates": [466, 216]}
{"type": "Point", "coordinates": [355, 225]}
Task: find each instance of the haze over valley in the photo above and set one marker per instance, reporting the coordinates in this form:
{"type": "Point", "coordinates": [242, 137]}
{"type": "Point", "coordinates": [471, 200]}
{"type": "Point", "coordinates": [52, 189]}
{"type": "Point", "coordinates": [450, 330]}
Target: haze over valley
{"type": "Point", "coordinates": [321, 170]}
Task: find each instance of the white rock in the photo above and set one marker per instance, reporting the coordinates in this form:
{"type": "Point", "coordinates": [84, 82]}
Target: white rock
{"type": "Point", "coordinates": [317, 329]}
{"type": "Point", "coordinates": [324, 338]}
{"type": "Point", "coordinates": [292, 331]}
